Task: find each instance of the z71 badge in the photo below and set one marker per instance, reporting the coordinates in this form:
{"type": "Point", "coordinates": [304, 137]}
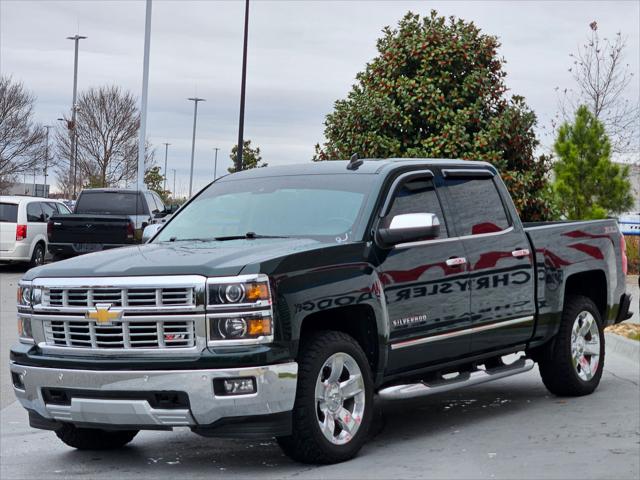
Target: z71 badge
{"type": "Point", "coordinates": [409, 321]}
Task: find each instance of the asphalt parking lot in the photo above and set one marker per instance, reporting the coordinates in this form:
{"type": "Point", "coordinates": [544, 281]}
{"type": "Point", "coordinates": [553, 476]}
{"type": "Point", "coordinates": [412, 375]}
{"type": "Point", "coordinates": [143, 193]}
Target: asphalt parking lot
{"type": "Point", "coordinates": [512, 428]}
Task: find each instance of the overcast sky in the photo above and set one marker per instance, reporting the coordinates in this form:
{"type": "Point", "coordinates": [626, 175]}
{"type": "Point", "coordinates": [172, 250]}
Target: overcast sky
{"type": "Point", "coordinates": [303, 55]}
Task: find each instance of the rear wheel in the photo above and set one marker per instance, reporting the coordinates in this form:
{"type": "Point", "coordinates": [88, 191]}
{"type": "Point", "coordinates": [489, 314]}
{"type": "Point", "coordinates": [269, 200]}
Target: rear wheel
{"type": "Point", "coordinates": [37, 258]}
{"type": "Point", "coordinates": [93, 438]}
{"type": "Point", "coordinates": [572, 363]}
{"type": "Point", "coordinates": [334, 401]}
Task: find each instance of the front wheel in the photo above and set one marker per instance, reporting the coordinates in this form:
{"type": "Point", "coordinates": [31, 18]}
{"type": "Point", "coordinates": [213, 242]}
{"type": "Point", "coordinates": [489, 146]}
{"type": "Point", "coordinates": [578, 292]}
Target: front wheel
{"type": "Point", "coordinates": [572, 363]}
{"type": "Point", "coordinates": [334, 401]}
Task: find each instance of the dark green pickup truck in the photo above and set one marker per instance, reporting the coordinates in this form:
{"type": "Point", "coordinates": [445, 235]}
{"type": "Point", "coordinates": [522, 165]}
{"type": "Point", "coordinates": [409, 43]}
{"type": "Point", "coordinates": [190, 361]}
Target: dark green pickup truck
{"type": "Point", "coordinates": [279, 301]}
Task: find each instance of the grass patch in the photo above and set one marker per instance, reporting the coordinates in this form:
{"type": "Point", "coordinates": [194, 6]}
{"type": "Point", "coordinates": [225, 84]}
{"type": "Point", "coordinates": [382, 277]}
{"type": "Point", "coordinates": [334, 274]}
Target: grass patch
{"type": "Point", "coordinates": [629, 330]}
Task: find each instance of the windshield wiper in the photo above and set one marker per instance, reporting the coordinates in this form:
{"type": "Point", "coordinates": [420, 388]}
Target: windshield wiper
{"type": "Point", "coordinates": [249, 235]}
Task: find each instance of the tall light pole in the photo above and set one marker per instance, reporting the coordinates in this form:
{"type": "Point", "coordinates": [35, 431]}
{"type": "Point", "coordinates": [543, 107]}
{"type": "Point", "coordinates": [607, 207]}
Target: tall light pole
{"type": "Point", "coordinates": [164, 172]}
{"type": "Point", "coordinates": [242, 89]}
{"type": "Point", "coordinates": [46, 159]}
{"type": "Point", "coordinates": [215, 164]}
{"type": "Point", "coordinates": [174, 183]}
{"type": "Point", "coordinates": [195, 101]}
{"type": "Point", "coordinates": [74, 108]}
{"type": "Point", "coordinates": [143, 103]}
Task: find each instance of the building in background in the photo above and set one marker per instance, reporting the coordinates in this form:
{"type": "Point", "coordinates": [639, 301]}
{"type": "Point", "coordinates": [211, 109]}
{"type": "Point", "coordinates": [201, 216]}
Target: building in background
{"type": "Point", "coordinates": [28, 189]}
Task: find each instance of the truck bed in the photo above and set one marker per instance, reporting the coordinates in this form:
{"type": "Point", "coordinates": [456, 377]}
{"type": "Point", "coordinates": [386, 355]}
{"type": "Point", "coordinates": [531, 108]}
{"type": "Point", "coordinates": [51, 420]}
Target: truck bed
{"type": "Point", "coordinates": [565, 248]}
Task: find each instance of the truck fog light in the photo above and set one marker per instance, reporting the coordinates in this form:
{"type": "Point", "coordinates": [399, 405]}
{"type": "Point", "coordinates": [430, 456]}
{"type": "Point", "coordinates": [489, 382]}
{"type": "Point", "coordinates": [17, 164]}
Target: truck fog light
{"type": "Point", "coordinates": [18, 380]}
{"type": "Point", "coordinates": [24, 328]}
{"type": "Point", "coordinates": [234, 386]}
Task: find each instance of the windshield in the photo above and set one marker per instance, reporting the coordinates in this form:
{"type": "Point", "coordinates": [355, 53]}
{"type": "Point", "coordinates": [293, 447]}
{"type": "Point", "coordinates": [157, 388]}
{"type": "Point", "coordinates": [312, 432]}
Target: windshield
{"type": "Point", "coordinates": [110, 203]}
{"type": "Point", "coordinates": [8, 212]}
{"type": "Point", "coordinates": [324, 207]}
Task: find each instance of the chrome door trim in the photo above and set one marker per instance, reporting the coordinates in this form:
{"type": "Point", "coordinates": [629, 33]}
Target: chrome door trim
{"type": "Point", "coordinates": [450, 239]}
{"type": "Point", "coordinates": [458, 333]}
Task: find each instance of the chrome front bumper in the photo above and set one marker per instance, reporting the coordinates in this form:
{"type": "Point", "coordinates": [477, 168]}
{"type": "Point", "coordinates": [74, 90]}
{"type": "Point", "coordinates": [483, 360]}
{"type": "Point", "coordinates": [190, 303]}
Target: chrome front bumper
{"type": "Point", "coordinates": [276, 390]}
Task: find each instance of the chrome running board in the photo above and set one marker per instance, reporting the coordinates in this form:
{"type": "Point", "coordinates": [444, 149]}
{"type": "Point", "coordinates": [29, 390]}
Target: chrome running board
{"type": "Point", "coordinates": [463, 379]}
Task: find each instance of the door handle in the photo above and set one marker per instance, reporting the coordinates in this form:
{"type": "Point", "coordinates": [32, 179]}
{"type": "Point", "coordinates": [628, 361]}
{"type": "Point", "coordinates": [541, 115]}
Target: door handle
{"type": "Point", "coordinates": [521, 252]}
{"type": "Point", "coordinates": [456, 261]}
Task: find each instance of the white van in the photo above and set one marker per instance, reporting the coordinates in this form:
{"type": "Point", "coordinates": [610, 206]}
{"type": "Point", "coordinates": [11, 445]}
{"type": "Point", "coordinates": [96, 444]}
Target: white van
{"type": "Point", "coordinates": [23, 227]}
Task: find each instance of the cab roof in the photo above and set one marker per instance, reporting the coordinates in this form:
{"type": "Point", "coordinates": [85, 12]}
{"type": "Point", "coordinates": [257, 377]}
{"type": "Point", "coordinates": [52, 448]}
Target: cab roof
{"type": "Point", "coordinates": [333, 167]}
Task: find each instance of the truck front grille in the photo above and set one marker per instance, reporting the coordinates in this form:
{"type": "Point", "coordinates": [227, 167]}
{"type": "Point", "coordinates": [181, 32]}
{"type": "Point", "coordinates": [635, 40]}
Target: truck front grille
{"type": "Point", "coordinates": [119, 297]}
{"type": "Point", "coordinates": [121, 334]}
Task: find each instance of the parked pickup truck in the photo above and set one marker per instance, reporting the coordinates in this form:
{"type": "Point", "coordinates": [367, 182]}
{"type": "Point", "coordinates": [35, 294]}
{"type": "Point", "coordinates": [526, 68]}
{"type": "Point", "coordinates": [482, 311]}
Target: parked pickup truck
{"type": "Point", "coordinates": [103, 218]}
{"type": "Point", "coordinates": [277, 302]}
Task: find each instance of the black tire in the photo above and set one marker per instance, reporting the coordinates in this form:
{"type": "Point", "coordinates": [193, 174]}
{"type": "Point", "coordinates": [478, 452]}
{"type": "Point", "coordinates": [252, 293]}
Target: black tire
{"type": "Point", "coordinates": [93, 438]}
{"type": "Point", "coordinates": [555, 360]}
{"type": "Point", "coordinates": [37, 258]}
{"type": "Point", "coordinates": [307, 443]}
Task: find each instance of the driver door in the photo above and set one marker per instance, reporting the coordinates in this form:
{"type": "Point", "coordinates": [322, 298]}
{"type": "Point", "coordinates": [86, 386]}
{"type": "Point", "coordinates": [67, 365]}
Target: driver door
{"type": "Point", "coordinates": [425, 283]}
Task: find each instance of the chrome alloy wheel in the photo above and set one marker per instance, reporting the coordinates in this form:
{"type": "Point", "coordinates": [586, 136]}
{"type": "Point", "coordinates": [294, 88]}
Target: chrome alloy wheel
{"type": "Point", "coordinates": [585, 346]}
{"type": "Point", "coordinates": [340, 398]}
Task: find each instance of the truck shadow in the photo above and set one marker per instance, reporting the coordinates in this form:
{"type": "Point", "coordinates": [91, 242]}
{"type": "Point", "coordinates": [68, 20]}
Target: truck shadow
{"type": "Point", "coordinates": [417, 424]}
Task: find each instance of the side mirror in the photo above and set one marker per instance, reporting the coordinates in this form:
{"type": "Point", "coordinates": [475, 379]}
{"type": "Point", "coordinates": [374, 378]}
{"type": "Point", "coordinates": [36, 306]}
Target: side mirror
{"type": "Point", "coordinates": [149, 231]}
{"type": "Point", "coordinates": [408, 227]}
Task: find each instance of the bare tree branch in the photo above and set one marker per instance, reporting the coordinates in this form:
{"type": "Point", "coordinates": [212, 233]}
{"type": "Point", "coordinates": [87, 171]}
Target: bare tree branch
{"type": "Point", "coordinates": [22, 140]}
{"type": "Point", "coordinates": [602, 80]}
{"type": "Point", "coordinates": [107, 123]}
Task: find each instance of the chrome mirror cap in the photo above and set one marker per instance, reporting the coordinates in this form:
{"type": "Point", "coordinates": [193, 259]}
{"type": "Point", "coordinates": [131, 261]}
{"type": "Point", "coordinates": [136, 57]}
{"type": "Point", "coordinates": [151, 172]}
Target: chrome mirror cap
{"type": "Point", "coordinates": [414, 220]}
{"type": "Point", "coordinates": [150, 231]}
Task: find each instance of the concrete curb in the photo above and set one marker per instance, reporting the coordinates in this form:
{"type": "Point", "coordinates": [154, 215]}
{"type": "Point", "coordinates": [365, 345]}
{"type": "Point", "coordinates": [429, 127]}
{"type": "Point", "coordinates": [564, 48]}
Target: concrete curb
{"type": "Point", "coordinates": [623, 346]}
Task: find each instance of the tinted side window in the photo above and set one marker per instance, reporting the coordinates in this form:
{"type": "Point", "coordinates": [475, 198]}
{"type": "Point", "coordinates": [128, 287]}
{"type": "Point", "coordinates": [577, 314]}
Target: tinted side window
{"type": "Point", "coordinates": [49, 209]}
{"type": "Point", "coordinates": [34, 212]}
{"type": "Point", "coordinates": [478, 205]}
{"type": "Point", "coordinates": [418, 195]}
{"type": "Point", "coordinates": [8, 212]}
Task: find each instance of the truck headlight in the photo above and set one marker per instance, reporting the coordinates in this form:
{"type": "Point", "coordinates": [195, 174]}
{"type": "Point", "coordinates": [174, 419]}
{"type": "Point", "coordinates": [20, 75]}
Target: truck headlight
{"type": "Point", "coordinates": [245, 290]}
{"type": "Point", "coordinates": [24, 295]}
{"type": "Point", "coordinates": [240, 328]}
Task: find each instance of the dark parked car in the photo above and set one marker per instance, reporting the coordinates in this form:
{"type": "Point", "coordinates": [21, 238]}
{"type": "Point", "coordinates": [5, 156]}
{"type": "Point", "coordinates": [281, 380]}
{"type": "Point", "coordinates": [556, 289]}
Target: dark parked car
{"type": "Point", "coordinates": [278, 301]}
{"type": "Point", "coordinates": [103, 219]}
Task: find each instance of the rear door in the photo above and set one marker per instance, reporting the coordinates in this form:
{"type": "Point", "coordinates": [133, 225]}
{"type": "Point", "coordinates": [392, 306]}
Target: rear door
{"type": "Point", "coordinates": [425, 283]}
{"type": "Point", "coordinates": [8, 224]}
{"type": "Point", "coordinates": [500, 264]}
{"type": "Point", "coordinates": [36, 224]}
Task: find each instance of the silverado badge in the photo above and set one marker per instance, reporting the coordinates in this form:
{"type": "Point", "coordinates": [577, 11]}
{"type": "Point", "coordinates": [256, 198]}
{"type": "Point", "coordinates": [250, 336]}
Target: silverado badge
{"type": "Point", "coordinates": [103, 314]}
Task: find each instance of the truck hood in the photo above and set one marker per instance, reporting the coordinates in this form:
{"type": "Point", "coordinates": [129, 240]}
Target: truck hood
{"type": "Point", "coordinates": [212, 258]}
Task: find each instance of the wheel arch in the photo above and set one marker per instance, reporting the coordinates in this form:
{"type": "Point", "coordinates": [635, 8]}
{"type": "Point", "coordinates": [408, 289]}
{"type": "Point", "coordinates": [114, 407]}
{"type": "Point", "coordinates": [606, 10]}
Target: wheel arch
{"type": "Point", "coordinates": [357, 321]}
{"type": "Point", "coordinates": [591, 284]}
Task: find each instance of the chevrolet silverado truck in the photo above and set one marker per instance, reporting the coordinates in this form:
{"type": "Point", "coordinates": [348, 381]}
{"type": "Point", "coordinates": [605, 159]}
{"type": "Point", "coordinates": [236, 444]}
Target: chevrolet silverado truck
{"type": "Point", "coordinates": [103, 218]}
{"type": "Point", "coordinates": [278, 301]}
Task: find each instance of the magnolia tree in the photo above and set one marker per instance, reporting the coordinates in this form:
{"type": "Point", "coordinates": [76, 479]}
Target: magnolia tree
{"type": "Point", "coordinates": [251, 157]}
{"type": "Point", "coordinates": [436, 89]}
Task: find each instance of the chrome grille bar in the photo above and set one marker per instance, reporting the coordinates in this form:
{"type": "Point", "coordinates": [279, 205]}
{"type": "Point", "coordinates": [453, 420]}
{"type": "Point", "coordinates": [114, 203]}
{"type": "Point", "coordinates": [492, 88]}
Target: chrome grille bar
{"type": "Point", "coordinates": [84, 333]}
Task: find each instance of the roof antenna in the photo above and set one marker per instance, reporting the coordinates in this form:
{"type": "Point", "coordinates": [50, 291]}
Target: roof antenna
{"type": "Point", "coordinates": [354, 162]}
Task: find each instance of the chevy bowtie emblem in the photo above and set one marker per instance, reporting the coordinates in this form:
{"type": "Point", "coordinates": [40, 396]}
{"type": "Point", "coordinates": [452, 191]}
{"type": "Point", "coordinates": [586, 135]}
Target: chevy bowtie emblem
{"type": "Point", "coordinates": [103, 314]}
